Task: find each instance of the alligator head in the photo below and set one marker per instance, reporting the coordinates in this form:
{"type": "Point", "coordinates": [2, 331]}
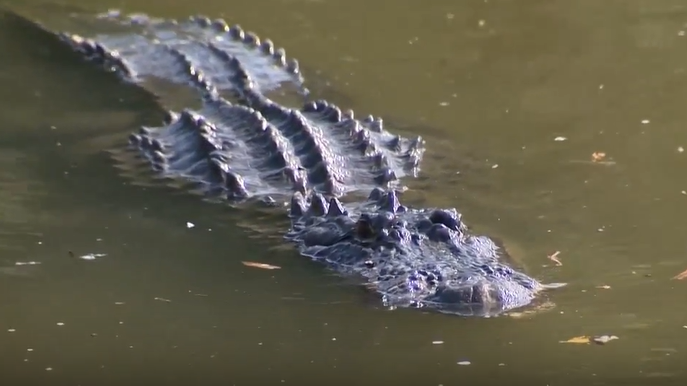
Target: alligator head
{"type": "Point", "coordinates": [411, 257]}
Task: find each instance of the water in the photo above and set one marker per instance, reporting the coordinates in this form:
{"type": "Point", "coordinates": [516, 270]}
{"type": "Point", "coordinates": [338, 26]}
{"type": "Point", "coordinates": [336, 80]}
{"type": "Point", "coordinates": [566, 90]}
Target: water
{"type": "Point", "coordinates": [485, 82]}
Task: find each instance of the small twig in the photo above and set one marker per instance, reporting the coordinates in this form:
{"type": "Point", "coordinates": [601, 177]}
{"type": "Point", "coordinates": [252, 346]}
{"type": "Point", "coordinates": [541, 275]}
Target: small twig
{"type": "Point", "coordinates": [259, 265]}
{"type": "Point", "coordinates": [554, 257]}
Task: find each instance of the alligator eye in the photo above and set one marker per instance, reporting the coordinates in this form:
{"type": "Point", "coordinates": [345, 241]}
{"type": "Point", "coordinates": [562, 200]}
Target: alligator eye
{"type": "Point", "coordinates": [363, 229]}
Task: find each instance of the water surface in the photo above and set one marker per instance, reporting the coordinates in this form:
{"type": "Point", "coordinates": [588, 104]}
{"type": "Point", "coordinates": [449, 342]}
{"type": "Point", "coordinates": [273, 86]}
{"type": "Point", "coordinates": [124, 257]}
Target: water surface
{"type": "Point", "coordinates": [489, 84]}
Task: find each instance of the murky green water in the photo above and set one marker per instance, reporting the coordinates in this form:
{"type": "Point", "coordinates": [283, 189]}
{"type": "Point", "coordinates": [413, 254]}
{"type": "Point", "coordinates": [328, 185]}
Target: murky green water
{"type": "Point", "coordinates": [487, 83]}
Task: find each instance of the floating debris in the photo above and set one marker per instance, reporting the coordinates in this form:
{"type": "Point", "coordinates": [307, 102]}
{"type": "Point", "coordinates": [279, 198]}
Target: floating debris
{"type": "Point", "coordinates": [92, 256]}
{"type": "Point", "coordinates": [603, 339]}
{"type": "Point", "coordinates": [60, 324]}
{"type": "Point", "coordinates": [190, 225]}
{"type": "Point", "coordinates": [438, 342]}
{"type": "Point", "coordinates": [27, 263]}
{"type": "Point", "coordinates": [464, 363]}
{"type": "Point", "coordinates": [161, 300]}
{"type": "Point", "coordinates": [603, 286]}
{"type": "Point", "coordinates": [560, 139]}
{"type": "Point", "coordinates": [119, 303]}
{"type": "Point", "coordinates": [680, 276]}
{"type": "Point", "coordinates": [598, 156]}
{"type": "Point", "coordinates": [259, 265]}
{"type": "Point", "coordinates": [584, 339]}
{"type": "Point", "coordinates": [645, 121]}
{"type": "Point", "coordinates": [11, 330]}
{"type": "Point", "coordinates": [554, 257]}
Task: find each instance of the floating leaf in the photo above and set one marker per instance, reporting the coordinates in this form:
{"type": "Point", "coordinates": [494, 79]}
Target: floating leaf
{"type": "Point", "coordinates": [260, 265]}
{"type": "Point", "coordinates": [598, 156]}
{"type": "Point", "coordinates": [584, 339]}
{"type": "Point", "coordinates": [578, 339]}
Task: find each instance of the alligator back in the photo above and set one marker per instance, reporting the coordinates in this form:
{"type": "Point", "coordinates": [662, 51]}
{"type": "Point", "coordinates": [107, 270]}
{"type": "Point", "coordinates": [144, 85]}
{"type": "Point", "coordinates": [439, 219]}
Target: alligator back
{"type": "Point", "coordinates": [239, 144]}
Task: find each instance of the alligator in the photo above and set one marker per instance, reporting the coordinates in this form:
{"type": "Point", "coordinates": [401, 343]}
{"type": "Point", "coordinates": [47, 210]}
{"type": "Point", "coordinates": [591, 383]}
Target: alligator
{"type": "Point", "coordinates": [241, 144]}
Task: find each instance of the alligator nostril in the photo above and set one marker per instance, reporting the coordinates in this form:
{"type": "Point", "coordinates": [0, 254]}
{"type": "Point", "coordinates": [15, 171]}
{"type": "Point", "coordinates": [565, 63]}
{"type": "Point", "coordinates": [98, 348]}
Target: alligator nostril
{"type": "Point", "coordinates": [478, 294]}
{"type": "Point", "coordinates": [446, 218]}
{"type": "Point", "coordinates": [439, 233]}
{"type": "Point", "coordinates": [363, 229]}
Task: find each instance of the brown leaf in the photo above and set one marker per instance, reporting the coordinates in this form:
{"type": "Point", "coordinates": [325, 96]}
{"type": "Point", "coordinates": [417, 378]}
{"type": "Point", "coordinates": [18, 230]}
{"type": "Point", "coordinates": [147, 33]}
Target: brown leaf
{"type": "Point", "coordinates": [681, 275]}
{"type": "Point", "coordinates": [598, 156]}
{"type": "Point", "coordinates": [578, 339]}
{"type": "Point", "coordinates": [584, 339]}
{"type": "Point", "coordinates": [259, 265]}
{"type": "Point", "coordinates": [554, 257]}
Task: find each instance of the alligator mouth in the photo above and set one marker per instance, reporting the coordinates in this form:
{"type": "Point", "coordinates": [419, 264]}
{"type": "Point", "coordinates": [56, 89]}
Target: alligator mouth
{"type": "Point", "coordinates": [241, 145]}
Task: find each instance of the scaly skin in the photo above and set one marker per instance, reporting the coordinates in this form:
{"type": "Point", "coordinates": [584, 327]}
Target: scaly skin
{"type": "Point", "coordinates": [257, 147]}
{"type": "Point", "coordinates": [240, 144]}
{"type": "Point", "coordinates": [420, 258]}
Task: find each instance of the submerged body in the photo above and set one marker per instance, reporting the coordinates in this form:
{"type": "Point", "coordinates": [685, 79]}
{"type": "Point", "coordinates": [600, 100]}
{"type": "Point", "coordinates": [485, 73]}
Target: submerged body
{"type": "Point", "coordinates": [240, 144]}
